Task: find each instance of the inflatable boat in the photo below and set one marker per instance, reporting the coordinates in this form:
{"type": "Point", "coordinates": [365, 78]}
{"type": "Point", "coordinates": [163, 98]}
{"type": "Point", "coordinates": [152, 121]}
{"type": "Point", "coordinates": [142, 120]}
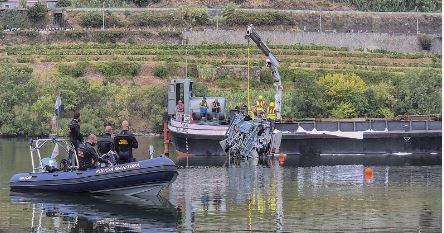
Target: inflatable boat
{"type": "Point", "coordinates": [146, 177]}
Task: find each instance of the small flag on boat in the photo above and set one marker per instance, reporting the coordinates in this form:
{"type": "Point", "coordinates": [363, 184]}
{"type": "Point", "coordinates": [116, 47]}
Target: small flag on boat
{"type": "Point", "coordinates": [55, 152]}
{"type": "Point", "coordinates": [58, 105]}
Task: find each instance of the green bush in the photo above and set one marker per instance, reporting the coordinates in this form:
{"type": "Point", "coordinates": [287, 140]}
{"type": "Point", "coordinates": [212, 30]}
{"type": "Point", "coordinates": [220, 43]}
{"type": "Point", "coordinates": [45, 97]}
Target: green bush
{"type": "Point", "coordinates": [25, 60]}
{"type": "Point", "coordinates": [260, 18]}
{"type": "Point", "coordinates": [38, 12]}
{"type": "Point", "coordinates": [161, 71]}
{"type": "Point", "coordinates": [425, 41]}
{"type": "Point", "coordinates": [75, 70]}
{"type": "Point", "coordinates": [229, 10]}
{"type": "Point", "coordinates": [107, 36]}
{"type": "Point", "coordinates": [194, 15]}
{"type": "Point", "coordinates": [15, 18]}
{"type": "Point", "coordinates": [64, 3]}
{"type": "Point", "coordinates": [29, 34]}
{"type": "Point", "coordinates": [396, 6]}
{"type": "Point", "coordinates": [169, 34]}
{"type": "Point", "coordinates": [154, 19]}
{"type": "Point", "coordinates": [144, 3]}
{"type": "Point", "coordinates": [101, 3]}
{"type": "Point", "coordinates": [94, 20]}
{"type": "Point", "coordinates": [147, 34]}
{"type": "Point", "coordinates": [76, 35]}
{"type": "Point", "coordinates": [114, 68]}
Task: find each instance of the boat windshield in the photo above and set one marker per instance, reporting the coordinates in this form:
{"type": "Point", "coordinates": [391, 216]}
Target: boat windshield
{"type": "Point", "coordinates": [62, 150]}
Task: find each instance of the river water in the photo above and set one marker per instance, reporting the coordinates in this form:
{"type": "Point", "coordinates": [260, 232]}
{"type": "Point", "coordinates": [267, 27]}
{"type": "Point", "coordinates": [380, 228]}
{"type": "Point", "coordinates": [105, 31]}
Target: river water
{"type": "Point", "coordinates": [236, 198]}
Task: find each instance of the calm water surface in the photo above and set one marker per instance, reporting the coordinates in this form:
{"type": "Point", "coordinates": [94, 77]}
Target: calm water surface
{"type": "Point", "coordinates": [231, 199]}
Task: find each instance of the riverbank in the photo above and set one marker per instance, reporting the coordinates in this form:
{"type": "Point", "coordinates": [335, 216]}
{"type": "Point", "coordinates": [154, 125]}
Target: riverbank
{"type": "Point", "coordinates": [111, 82]}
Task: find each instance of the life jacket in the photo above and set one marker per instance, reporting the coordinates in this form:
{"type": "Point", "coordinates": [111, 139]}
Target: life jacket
{"type": "Point", "coordinates": [260, 105]}
{"type": "Point", "coordinates": [203, 104]}
{"type": "Point", "coordinates": [124, 143]}
{"type": "Point", "coordinates": [271, 113]}
{"type": "Point", "coordinates": [203, 107]}
{"type": "Point", "coordinates": [215, 106]}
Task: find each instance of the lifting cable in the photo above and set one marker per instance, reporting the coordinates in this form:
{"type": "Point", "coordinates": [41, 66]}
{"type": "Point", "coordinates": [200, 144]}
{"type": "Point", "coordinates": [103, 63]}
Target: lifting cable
{"type": "Point", "coordinates": [248, 80]}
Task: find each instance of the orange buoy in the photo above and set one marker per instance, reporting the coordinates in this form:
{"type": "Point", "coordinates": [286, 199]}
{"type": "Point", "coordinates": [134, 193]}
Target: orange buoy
{"type": "Point", "coordinates": [368, 174]}
{"type": "Point", "coordinates": [281, 159]}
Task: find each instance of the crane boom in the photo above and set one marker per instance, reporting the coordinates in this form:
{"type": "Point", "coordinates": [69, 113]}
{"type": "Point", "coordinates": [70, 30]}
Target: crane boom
{"type": "Point", "coordinates": [273, 63]}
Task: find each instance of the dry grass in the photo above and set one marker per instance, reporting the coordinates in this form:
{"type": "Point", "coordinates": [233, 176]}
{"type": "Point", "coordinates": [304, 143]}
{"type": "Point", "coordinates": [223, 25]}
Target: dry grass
{"type": "Point", "coordinates": [281, 4]}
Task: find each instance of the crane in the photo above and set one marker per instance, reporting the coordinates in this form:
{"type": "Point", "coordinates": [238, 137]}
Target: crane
{"type": "Point", "coordinates": [273, 63]}
{"type": "Point", "coordinates": [257, 139]}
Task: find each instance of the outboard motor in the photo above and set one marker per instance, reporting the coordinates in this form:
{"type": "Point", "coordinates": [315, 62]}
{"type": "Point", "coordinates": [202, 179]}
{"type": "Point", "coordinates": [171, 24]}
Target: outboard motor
{"type": "Point", "coordinates": [49, 165]}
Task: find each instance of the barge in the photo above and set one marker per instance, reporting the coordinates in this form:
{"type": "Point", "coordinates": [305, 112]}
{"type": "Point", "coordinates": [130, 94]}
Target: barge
{"type": "Point", "coordinates": [401, 140]}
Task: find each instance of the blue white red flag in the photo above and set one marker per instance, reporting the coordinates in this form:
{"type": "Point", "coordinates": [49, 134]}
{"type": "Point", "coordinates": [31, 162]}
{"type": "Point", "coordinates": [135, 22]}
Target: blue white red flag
{"type": "Point", "coordinates": [58, 105]}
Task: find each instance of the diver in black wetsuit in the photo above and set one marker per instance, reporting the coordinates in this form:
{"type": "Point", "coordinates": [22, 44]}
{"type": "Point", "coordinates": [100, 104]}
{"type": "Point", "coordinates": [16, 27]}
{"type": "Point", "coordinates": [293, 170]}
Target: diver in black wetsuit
{"type": "Point", "coordinates": [125, 141]}
{"type": "Point", "coordinates": [87, 154]}
{"type": "Point", "coordinates": [74, 131]}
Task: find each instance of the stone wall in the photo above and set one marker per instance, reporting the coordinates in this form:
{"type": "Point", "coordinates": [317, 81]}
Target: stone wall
{"type": "Point", "coordinates": [239, 71]}
{"type": "Point", "coordinates": [392, 42]}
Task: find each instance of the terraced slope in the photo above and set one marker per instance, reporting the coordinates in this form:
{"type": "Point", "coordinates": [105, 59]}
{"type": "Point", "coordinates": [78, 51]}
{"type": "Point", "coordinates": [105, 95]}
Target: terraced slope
{"type": "Point", "coordinates": [208, 58]}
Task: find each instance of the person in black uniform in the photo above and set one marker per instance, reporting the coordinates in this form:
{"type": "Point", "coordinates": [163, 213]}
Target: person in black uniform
{"type": "Point", "coordinates": [125, 142]}
{"type": "Point", "coordinates": [106, 142]}
{"type": "Point", "coordinates": [74, 131]}
{"type": "Point", "coordinates": [105, 146]}
{"type": "Point", "coordinates": [87, 155]}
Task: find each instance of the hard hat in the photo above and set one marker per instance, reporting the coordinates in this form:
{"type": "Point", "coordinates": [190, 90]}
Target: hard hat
{"type": "Point", "coordinates": [272, 104]}
{"type": "Point", "coordinates": [260, 97]}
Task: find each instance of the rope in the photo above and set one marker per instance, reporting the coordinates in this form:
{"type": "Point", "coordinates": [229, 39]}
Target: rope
{"type": "Point", "coordinates": [248, 78]}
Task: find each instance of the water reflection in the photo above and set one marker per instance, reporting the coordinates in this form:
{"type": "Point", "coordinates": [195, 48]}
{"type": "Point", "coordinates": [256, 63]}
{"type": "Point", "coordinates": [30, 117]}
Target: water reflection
{"type": "Point", "coordinates": [86, 213]}
{"type": "Point", "coordinates": [275, 198]}
{"type": "Point", "coordinates": [237, 198]}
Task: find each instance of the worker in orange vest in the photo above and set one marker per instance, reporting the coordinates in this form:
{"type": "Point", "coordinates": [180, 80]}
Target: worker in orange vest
{"type": "Point", "coordinates": [260, 106]}
{"type": "Point", "coordinates": [271, 112]}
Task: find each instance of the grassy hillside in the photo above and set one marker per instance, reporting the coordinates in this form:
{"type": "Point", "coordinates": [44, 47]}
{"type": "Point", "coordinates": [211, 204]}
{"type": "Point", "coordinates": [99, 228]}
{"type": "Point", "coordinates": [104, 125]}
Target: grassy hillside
{"type": "Point", "coordinates": [330, 5]}
{"type": "Point", "coordinates": [111, 82]}
{"type": "Point", "coordinates": [230, 17]}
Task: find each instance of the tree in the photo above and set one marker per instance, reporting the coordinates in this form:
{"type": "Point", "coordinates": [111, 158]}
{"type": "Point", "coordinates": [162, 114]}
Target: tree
{"type": "Point", "coordinates": [344, 95]}
{"type": "Point", "coordinates": [381, 100]}
{"type": "Point", "coordinates": [229, 10]}
{"type": "Point", "coordinates": [16, 88]}
{"type": "Point", "coordinates": [307, 97]}
{"type": "Point", "coordinates": [38, 12]}
{"type": "Point", "coordinates": [419, 93]}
